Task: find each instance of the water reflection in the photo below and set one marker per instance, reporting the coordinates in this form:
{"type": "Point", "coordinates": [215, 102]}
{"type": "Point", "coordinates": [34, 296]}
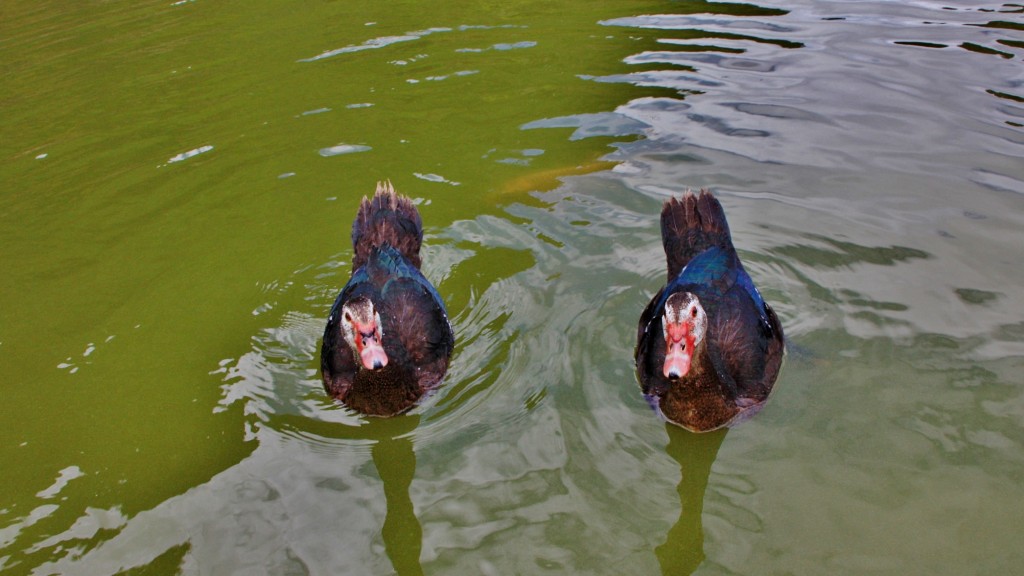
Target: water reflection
{"type": "Point", "coordinates": [393, 456]}
{"type": "Point", "coordinates": [749, 66]}
{"type": "Point", "coordinates": [403, 535]}
{"type": "Point", "coordinates": [683, 550]}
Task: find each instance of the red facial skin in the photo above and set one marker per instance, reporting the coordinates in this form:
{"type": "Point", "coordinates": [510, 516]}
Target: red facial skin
{"type": "Point", "coordinates": [679, 350]}
{"type": "Point", "coordinates": [369, 346]}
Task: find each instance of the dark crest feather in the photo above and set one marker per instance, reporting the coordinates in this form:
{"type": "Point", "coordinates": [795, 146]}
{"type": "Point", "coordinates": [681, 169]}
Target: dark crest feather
{"type": "Point", "coordinates": [387, 218]}
{"type": "Point", "coordinates": [691, 225]}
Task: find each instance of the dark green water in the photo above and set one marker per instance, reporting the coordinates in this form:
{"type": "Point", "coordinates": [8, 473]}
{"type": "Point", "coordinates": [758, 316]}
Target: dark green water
{"type": "Point", "coordinates": [178, 184]}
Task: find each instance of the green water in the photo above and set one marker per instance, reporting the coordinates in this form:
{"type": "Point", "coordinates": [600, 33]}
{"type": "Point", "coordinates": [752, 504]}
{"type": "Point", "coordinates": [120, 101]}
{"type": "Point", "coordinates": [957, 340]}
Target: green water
{"type": "Point", "coordinates": [179, 182]}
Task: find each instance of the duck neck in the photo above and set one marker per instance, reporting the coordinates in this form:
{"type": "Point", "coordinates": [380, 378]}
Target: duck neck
{"type": "Point", "coordinates": [698, 401]}
{"type": "Point", "coordinates": [702, 376]}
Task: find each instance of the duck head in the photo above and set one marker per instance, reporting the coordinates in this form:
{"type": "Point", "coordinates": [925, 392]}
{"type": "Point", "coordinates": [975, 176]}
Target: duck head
{"type": "Point", "coordinates": [360, 323]}
{"type": "Point", "coordinates": [684, 323]}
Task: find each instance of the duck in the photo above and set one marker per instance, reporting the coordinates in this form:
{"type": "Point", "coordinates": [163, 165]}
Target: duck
{"type": "Point", "coordinates": [388, 339]}
{"type": "Point", "coordinates": [709, 348]}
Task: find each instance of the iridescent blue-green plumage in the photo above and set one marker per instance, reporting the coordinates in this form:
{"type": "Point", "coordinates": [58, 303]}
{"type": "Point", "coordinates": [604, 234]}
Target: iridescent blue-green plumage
{"type": "Point", "coordinates": [417, 336]}
{"type": "Point", "coordinates": [735, 365]}
{"type": "Point", "coordinates": [713, 273]}
{"type": "Point", "coordinates": [386, 274]}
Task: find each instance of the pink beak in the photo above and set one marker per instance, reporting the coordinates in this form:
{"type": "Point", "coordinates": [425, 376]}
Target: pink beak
{"type": "Point", "coordinates": [679, 345]}
{"type": "Point", "coordinates": [371, 352]}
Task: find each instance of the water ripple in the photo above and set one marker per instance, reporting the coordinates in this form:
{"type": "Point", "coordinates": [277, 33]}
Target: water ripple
{"type": "Point", "coordinates": [374, 43]}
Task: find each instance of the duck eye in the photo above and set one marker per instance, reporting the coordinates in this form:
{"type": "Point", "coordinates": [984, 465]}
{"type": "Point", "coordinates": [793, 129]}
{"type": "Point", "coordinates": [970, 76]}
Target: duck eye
{"type": "Point", "coordinates": [348, 317]}
{"type": "Point", "coordinates": [693, 312]}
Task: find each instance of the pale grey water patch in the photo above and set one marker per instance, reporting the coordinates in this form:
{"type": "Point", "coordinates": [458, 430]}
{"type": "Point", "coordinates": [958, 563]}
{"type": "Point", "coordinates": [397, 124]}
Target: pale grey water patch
{"type": "Point", "coordinates": [514, 161]}
{"type": "Point", "coordinates": [684, 58]}
{"type": "Point", "coordinates": [465, 27]}
{"type": "Point", "coordinates": [66, 475]}
{"type": "Point", "coordinates": [590, 125]}
{"type": "Point", "coordinates": [684, 22]}
{"type": "Point", "coordinates": [439, 78]}
{"type": "Point", "coordinates": [524, 158]}
{"type": "Point", "coordinates": [996, 181]}
{"type": "Point", "coordinates": [515, 157]}
{"type": "Point", "coordinates": [189, 154]}
{"type": "Point", "coordinates": [85, 527]}
{"type": "Point", "coordinates": [374, 43]}
{"type": "Point", "coordinates": [341, 149]}
{"type": "Point", "coordinates": [434, 178]}
{"type": "Point", "coordinates": [236, 519]}
{"type": "Point", "coordinates": [9, 533]}
{"type": "Point", "coordinates": [515, 45]}
{"type": "Point", "coordinates": [384, 41]}
{"type": "Point", "coordinates": [681, 81]}
{"type": "Point", "coordinates": [501, 47]}
{"type": "Point", "coordinates": [757, 93]}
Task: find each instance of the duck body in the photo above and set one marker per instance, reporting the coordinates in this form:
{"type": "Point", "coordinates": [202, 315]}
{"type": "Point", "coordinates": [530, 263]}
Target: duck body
{"type": "Point", "coordinates": [709, 348]}
{"type": "Point", "coordinates": [388, 339]}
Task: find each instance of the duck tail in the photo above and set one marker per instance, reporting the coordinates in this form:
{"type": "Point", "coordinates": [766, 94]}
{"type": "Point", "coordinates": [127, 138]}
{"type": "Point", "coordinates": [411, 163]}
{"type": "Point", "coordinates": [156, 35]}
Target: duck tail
{"type": "Point", "coordinates": [387, 218]}
{"type": "Point", "coordinates": [691, 225]}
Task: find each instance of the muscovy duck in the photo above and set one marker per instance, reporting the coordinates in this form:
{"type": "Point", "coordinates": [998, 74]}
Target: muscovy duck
{"type": "Point", "coordinates": [388, 339]}
{"type": "Point", "coordinates": [709, 348]}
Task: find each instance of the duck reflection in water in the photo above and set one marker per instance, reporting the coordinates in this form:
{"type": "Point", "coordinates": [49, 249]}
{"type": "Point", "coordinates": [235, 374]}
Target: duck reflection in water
{"type": "Point", "coordinates": [395, 460]}
{"type": "Point", "coordinates": [683, 550]}
{"type": "Point", "coordinates": [403, 535]}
